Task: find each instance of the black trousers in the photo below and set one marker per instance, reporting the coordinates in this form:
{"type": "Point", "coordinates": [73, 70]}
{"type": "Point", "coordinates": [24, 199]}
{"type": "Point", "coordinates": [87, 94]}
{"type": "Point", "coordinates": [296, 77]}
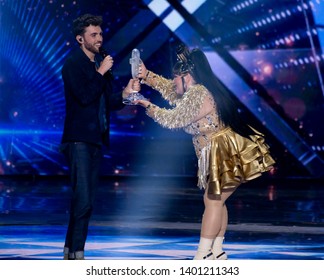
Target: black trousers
{"type": "Point", "coordinates": [84, 163]}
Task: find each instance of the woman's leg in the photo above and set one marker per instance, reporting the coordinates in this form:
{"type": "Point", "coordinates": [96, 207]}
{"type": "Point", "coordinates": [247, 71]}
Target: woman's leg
{"type": "Point", "coordinates": [214, 223]}
{"type": "Point", "coordinates": [217, 247]}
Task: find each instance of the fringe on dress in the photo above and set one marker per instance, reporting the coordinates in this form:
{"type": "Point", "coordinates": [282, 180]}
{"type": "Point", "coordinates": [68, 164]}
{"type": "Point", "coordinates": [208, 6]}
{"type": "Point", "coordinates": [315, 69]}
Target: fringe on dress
{"type": "Point", "coordinates": [231, 159]}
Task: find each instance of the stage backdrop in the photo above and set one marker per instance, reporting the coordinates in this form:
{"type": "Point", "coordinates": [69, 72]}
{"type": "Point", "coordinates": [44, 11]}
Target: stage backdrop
{"type": "Point", "coordinates": [269, 55]}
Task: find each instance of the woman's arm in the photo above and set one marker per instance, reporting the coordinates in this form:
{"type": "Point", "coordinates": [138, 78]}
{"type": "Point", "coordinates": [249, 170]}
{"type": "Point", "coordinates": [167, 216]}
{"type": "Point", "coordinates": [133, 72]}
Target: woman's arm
{"type": "Point", "coordinates": [159, 83]}
{"type": "Point", "coordinates": [188, 110]}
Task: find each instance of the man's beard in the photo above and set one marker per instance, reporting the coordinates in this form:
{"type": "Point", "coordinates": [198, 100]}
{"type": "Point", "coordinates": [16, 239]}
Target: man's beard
{"type": "Point", "coordinates": [91, 48]}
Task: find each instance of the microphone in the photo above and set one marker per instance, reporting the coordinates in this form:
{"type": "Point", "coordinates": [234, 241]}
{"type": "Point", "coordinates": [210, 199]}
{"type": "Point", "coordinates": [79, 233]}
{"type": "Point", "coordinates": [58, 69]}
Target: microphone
{"type": "Point", "coordinates": [103, 54]}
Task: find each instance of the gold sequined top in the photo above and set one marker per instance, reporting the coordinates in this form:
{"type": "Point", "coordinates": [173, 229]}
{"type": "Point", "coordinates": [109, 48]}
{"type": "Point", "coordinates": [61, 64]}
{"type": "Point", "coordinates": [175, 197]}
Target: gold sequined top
{"type": "Point", "coordinates": [194, 111]}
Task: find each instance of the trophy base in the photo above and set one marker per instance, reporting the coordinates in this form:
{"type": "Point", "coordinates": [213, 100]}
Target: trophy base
{"type": "Point", "coordinates": [133, 97]}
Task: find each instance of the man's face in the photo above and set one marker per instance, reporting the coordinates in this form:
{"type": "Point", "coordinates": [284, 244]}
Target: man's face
{"type": "Point", "coordinates": [92, 38]}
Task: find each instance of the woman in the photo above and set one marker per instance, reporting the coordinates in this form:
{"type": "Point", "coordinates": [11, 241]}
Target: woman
{"type": "Point", "coordinates": [229, 151]}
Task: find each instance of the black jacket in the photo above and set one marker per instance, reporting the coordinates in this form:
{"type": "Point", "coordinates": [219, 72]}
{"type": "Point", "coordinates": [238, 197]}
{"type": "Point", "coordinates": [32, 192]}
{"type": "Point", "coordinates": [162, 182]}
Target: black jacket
{"type": "Point", "coordinates": [83, 87]}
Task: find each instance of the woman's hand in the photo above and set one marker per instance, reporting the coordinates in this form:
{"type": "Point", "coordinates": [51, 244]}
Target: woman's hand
{"type": "Point", "coordinates": [143, 103]}
{"type": "Point", "coordinates": [142, 71]}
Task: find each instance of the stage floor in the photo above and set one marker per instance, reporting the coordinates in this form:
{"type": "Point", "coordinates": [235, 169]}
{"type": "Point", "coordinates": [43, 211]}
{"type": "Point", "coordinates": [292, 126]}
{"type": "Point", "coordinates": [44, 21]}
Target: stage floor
{"type": "Point", "coordinates": [159, 218]}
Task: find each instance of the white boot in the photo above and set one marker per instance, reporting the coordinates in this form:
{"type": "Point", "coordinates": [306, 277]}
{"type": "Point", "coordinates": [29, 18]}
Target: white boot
{"type": "Point", "coordinates": [204, 249]}
{"type": "Point", "coordinates": [217, 249]}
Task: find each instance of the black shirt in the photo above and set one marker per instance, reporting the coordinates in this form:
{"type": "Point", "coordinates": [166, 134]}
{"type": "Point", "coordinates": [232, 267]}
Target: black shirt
{"type": "Point", "coordinates": [83, 87]}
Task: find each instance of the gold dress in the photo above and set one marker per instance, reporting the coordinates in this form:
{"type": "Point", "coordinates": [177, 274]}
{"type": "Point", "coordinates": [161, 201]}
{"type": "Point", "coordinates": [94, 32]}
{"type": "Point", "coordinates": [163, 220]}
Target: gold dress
{"type": "Point", "coordinates": [225, 158]}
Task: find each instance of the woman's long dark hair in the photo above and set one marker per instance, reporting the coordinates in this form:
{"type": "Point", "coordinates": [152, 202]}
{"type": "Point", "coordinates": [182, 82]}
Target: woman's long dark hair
{"type": "Point", "coordinates": [198, 66]}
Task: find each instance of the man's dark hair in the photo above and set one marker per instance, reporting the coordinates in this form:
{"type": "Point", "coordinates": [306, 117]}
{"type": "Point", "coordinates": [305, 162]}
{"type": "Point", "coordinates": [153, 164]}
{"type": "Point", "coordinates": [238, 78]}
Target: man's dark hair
{"type": "Point", "coordinates": [80, 24]}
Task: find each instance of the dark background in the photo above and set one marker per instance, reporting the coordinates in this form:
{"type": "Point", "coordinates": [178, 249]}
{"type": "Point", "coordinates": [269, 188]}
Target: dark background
{"type": "Point", "coordinates": [268, 53]}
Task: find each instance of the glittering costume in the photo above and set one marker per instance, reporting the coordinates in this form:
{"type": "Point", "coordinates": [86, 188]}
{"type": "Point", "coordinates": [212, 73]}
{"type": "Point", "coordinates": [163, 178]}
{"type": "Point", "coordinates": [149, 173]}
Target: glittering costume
{"type": "Point", "coordinates": [225, 158]}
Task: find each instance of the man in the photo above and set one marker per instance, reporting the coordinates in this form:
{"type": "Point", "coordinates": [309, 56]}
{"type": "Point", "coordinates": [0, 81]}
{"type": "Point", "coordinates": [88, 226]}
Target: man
{"type": "Point", "coordinates": [89, 98]}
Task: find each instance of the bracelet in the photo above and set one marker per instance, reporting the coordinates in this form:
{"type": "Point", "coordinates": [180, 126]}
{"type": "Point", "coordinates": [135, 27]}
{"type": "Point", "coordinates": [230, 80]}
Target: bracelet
{"type": "Point", "coordinates": [147, 74]}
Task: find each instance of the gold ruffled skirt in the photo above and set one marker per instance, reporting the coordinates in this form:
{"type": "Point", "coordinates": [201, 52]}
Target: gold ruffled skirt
{"type": "Point", "coordinates": [231, 159]}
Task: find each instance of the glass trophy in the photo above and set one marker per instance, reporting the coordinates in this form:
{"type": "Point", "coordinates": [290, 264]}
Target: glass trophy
{"type": "Point", "coordinates": [135, 61]}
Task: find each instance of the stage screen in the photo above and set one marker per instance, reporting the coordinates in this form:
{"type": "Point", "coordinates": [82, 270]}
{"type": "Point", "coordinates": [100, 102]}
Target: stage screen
{"type": "Point", "coordinates": [269, 55]}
